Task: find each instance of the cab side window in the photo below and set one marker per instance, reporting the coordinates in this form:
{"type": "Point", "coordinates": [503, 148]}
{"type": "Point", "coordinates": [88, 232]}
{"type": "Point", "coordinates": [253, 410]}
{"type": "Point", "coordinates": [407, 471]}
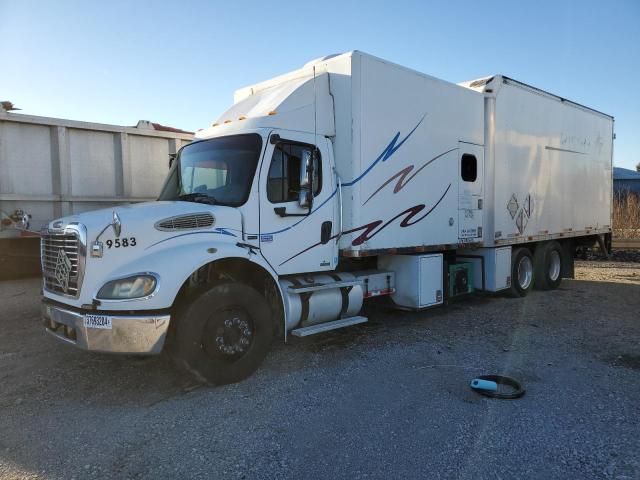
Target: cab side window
{"type": "Point", "coordinates": [283, 182]}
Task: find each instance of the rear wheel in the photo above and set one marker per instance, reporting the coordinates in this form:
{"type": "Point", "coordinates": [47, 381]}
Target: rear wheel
{"type": "Point", "coordinates": [224, 334]}
{"type": "Point", "coordinates": [548, 266]}
{"type": "Point", "coordinates": [521, 272]}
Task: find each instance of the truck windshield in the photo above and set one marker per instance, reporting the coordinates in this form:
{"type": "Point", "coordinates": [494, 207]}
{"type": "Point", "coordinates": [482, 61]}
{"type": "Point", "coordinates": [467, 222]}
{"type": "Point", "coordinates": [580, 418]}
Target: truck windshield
{"type": "Point", "coordinates": [216, 171]}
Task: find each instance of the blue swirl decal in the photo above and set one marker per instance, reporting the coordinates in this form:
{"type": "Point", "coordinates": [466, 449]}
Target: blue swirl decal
{"type": "Point", "coordinates": [216, 231]}
{"type": "Point", "coordinates": [388, 151]}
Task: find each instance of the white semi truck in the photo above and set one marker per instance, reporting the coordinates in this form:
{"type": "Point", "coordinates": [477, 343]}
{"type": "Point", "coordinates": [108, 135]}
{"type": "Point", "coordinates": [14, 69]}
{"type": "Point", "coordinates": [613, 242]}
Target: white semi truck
{"type": "Point", "coordinates": [349, 178]}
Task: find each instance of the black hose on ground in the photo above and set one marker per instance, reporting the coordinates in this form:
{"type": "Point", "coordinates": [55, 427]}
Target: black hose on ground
{"type": "Point", "coordinates": [518, 390]}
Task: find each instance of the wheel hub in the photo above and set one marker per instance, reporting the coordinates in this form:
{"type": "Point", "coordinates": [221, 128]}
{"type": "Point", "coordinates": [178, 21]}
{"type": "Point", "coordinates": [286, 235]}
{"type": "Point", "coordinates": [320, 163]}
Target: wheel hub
{"type": "Point", "coordinates": [234, 336]}
{"type": "Point", "coordinates": [554, 265]}
{"type": "Point", "coordinates": [525, 272]}
{"type": "Point", "coordinates": [228, 334]}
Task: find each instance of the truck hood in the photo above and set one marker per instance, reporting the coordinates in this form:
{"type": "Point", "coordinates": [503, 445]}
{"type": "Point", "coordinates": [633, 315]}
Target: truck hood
{"type": "Point", "coordinates": [140, 221]}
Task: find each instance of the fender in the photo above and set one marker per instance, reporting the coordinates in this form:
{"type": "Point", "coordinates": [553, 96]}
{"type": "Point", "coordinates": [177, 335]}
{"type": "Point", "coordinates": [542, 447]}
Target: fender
{"type": "Point", "coordinates": [174, 266]}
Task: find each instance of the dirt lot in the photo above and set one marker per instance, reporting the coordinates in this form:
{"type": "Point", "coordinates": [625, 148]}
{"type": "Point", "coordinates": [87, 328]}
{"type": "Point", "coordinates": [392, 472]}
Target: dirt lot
{"type": "Point", "coordinates": [388, 399]}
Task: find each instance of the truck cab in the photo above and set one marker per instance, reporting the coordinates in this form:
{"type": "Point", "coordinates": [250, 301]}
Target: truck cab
{"type": "Point", "coordinates": [229, 217]}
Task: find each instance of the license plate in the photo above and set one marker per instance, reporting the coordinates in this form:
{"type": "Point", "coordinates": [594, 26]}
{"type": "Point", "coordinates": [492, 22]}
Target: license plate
{"type": "Point", "coordinates": [97, 321]}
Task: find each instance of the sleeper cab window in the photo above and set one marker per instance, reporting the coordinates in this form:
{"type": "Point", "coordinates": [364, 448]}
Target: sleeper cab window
{"type": "Point", "coordinates": [468, 167]}
{"type": "Point", "coordinates": [283, 182]}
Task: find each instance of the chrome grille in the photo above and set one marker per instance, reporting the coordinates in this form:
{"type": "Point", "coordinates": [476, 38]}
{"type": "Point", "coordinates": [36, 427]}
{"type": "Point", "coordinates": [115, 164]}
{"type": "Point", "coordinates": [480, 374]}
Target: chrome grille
{"type": "Point", "coordinates": [63, 257]}
{"type": "Point", "coordinates": [186, 222]}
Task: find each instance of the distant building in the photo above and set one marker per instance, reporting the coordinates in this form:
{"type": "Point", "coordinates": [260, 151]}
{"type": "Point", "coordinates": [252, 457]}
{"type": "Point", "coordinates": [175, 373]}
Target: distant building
{"type": "Point", "coordinates": [625, 181]}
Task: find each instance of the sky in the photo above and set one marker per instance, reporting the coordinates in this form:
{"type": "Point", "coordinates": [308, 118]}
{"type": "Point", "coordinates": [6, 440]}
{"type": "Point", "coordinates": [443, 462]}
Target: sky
{"type": "Point", "coordinates": [178, 63]}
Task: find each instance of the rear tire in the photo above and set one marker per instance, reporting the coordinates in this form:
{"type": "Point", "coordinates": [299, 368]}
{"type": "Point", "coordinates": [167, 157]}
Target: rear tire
{"type": "Point", "coordinates": [521, 272]}
{"type": "Point", "coordinates": [548, 264]}
{"type": "Point", "coordinates": [224, 334]}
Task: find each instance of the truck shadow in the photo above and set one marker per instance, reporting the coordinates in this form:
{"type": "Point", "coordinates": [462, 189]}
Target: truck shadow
{"type": "Point", "coordinates": [499, 323]}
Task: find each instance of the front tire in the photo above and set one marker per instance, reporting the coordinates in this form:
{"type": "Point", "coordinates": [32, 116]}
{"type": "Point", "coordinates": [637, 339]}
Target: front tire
{"type": "Point", "coordinates": [521, 272]}
{"type": "Point", "coordinates": [548, 266]}
{"type": "Point", "coordinates": [224, 334]}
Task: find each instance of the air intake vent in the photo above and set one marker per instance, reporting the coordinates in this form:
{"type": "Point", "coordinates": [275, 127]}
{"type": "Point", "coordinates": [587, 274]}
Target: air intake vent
{"type": "Point", "coordinates": [185, 222]}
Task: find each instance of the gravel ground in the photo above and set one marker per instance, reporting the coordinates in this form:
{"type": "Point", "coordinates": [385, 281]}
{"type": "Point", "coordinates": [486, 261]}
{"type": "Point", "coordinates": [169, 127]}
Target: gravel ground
{"type": "Point", "coordinates": [388, 399]}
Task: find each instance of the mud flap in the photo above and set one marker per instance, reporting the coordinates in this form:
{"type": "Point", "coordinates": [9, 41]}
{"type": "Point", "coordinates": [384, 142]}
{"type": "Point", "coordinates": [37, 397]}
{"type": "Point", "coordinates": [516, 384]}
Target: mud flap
{"type": "Point", "coordinates": [568, 254]}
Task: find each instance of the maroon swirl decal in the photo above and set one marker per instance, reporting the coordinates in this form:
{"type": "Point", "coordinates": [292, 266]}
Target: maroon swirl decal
{"type": "Point", "coordinates": [371, 229]}
{"type": "Point", "coordinates": [403, 176]}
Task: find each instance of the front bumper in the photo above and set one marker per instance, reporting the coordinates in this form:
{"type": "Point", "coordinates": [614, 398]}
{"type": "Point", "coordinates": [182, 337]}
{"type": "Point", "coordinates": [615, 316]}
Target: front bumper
{"type": "Point", "coordinates": [133, 334]}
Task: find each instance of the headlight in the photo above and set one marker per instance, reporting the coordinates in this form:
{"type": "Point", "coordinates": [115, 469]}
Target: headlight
{"type": "Point", "coordinates": [135, 286]}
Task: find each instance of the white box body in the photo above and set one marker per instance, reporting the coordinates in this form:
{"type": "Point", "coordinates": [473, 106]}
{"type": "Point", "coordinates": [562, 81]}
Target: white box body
{"type": "Point", "coordinates": [418, 279]}
{"type": "Point", "coordinates": [399, 139]}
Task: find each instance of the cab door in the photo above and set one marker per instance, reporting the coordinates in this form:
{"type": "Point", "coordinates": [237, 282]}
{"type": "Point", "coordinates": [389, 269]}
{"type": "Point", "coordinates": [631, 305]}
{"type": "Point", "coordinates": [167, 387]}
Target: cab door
{"type": "Point", "coordinates": [293, 237]}
{"type": "Point", "coordinates": [470, 194]}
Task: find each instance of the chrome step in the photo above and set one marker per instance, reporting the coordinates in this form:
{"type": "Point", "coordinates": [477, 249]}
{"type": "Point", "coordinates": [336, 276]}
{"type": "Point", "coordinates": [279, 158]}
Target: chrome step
{"type": "Point", "coordinates": [313, 287]}
{"type": "Point", "coordinates": [326, 326]}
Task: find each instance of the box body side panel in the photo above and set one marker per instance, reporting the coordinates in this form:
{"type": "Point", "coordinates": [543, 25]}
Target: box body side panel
{"type": "Point", "coordinates": [406, 129]}
{"type": "Point", "coordinates": [552, 168]}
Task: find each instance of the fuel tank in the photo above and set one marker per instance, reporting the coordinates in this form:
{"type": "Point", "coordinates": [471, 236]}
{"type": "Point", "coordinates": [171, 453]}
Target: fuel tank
{"type": "Point", "coordinates": [324, 297]}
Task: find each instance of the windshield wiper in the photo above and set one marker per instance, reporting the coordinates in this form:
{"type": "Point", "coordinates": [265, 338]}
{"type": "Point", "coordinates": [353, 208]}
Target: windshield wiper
{"type": "Point", "coordinates": [198, 197]}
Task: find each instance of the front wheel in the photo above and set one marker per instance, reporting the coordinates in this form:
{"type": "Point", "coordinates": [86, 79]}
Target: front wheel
{"type": "Point", "coordinates": [521, 272]}
{"type": "Point", "coordinates": [224, 334]}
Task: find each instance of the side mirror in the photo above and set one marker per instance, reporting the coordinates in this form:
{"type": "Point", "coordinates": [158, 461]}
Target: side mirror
{"type": "Point", "coordinates": [306, 168]}
{"type": "Point", "coordinates": [304, 199]}
{"type": "Point", "coordinates": [308, 162]}
{"type": "Point", "coordinates": [97, 248]}
{"type": "Point", "coordinates": [305, 196]}
{"type": "Point", "coordinates": [116, 224]}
